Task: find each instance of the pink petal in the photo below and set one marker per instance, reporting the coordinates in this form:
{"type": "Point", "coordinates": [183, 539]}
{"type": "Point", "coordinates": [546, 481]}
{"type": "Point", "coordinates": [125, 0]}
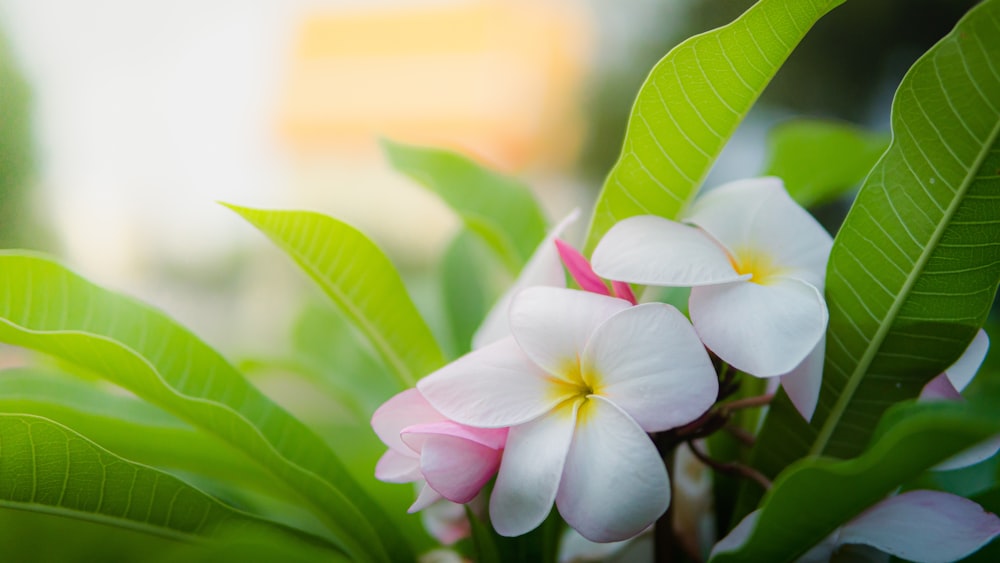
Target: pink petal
{"type": "Point", "coordinates": [402, 410]}
{"type": "Point", "coordinates": [614, 484]}
{"type": "Point", "coordinates": [457, 468]}
{"type": "Point", "coordinates": [394, 467]}
{"type": "Point", "coordinates": [414, 436]}
{"type": "Point", "coordinates": [427, 497]}
{"type": "Point", "coordinates": [651, 250]}
{"type": "Point", "coordinates": [648, 361]}
{"type": "Point", "coordinates": [492, 387]}
{"type": "Point", "coordinates": [543, 268]}
{"type": "Point", "coordinates": [530, 471]}
{"type": "Point", "coordinates": [446, 522]}
{"type": "Point", "coordinates": [940, 389]}
{"type": "Point", "coordinates": [803, 383]}
{"type": "Point", "coordinates": [964, 369]}
{"type": "Point", "coordinates": [758, 214]}
{"type": "Point", "coordinates": [553, 325]}
{"type": "Point", "coordinates": [624, 291]}
{"type": "Point", "coordinates": [924, 526]}
{"type": "Point", "coordinates": [580, 269]}
{"type": "Point", "coordinates": [764, 330]}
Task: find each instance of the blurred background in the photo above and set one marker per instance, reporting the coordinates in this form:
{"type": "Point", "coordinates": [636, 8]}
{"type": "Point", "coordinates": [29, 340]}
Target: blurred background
{"type": "Point", "coordinates": [122, 123]}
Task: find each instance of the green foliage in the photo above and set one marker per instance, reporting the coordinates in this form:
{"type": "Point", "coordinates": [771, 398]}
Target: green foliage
{"type": "Point", "coordinates": [49, 469]}
{"type": "Point", "coordinates": [814, 496]}
{"type": "Point", "coordinates": [914, 269]}
{"type": "Point", "coordinates": [47, 308]}
{"type": "Point", "coordinates": [820, 160]}
{"type": "Point", "coordinates": [466, 288]}
{"type": "Point", "coordinates": [361, 280]}
{"type": "Point", "coordinates": [500, 210]}
{"type": "Point", "coordinates": [691, 104]}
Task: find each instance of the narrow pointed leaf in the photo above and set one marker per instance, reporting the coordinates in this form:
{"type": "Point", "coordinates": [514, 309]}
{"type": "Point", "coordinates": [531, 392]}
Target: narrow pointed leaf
{"type": "Point", "coordinates": [361, 280]}
{"type": "Point", "coordinates": [691, 104]}
{"type": "Point", "coordinates": [466, 287]}
{"type": "Point", "coordinates": [45, 307]}
{"type": "Point", "coordinates": [47, 468]}
{"type": "Point", "coordinates": [500, 210]}
{"type": "Point", "coordinates": [813, 497]}
{"type": "Point", "coordinates": [914, 269]}
{"type": "Point", "coordinates": [820, 160]}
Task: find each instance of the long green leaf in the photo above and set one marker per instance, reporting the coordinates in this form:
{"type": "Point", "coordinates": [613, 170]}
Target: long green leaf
{"type": "Point", "coordinates": [691, 104]}
{"type": "Point", "coordinates": [466, 288]}
{"type": "Point", "coordinates": [361, 280]}
{"type": "Point", "coordinates": [914, 268]}
{"type": "Point", "coordinates": [815, 496]}
{"type": "Point", "coordinates": [127, 426]}
{"type": "Point", "coordinates": [500, 210]}
{"type": "Point", "coordinates": [820, 160]}
{"type": "Point", "coordinates": [47, 468]}
{"type": "Point", "coordinates": [45, 307]}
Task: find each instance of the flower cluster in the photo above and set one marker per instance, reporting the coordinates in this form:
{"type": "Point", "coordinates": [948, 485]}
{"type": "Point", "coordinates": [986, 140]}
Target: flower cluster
{"type": "Point", "coordinates": [564, 387]}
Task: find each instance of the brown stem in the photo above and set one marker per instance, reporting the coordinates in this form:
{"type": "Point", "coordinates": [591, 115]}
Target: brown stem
{"type": "Point", "coordinates": [732, 468]}
{"type": "Point", "coordinates": [740, 434]}
{"type": "Point", "coordinates": [748, 402]}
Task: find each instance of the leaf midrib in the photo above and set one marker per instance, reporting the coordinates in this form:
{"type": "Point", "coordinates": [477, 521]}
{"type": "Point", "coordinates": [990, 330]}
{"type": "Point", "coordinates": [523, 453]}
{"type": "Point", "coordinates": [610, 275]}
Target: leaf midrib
{"type": "Point", "coordinates": [875, 345]}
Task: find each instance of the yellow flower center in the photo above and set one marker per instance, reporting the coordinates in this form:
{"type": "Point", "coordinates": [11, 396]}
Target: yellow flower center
{"type": "Point", "coordinates": [759, 265]}
{"type": "Point", "coordinates": [574, 386]}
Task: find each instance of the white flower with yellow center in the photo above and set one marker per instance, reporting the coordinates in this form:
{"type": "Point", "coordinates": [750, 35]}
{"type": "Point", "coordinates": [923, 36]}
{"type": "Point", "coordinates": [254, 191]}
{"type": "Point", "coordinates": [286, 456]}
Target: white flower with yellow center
{"type": "Point", "coordinates": [581, 381]}
{"type": "Point", "coordinates": [756, 263]}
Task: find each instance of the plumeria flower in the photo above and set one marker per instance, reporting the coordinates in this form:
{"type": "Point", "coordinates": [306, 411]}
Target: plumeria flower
{"type": "Point", "coordinates": [921, 526]}
{"type": "Point", "coordinates": [755, 261]}
{"type": "Point", "coordinates": [948, 387]}
{"type": "Point", "coordinates": [580, 382]}
{"type": "Point", "coordinates": [447, 459]}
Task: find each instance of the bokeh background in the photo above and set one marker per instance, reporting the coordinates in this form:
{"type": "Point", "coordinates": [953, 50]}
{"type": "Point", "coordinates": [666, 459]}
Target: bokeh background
{"type": "Point", "coordinates": [123, 122]}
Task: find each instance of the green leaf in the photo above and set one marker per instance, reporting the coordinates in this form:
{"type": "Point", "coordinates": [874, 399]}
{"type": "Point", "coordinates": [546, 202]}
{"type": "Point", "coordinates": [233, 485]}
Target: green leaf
{"type": "Point", "coordinates": [45, 307]}
{"type": "Point", "coordinates": [820, 160]}
{"type": "Point", "coordinates": [499, 209]}
{"type": "Point", "coordinates": [466, 275]}
{"type": "Point", "coordinates": [361, 280]}
{"type": "Point", "coordinates": [690, 105]}
{"type": "Point", "coordinates": [48, 469]}
{"type": "Point", "coordinates": [815, 496]}
{"type": "Point", "coordinates": [127, 426]}
{"type": "Point", "coordinates": [914, 269]}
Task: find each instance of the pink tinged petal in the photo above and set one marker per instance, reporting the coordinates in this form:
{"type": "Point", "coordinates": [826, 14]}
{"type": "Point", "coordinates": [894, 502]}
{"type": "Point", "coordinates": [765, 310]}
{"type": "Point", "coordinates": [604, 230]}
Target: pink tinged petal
{"type": "Point", "coordinates": [492, 387]}
{"type": "Point", "coordinates": [394, 467]}
{"type": "Point", "coordinates": [530, 471]}
{"type": "Point", "coordinates": [758, 214]}
{"type": "Point", "coordinates": [924, 526]}
{"type": "Point", "coordinates": [580, 269]}
{"type": "Point", "coordinates": [543, 268]}
{"type": "Point", "coordinates": [446, 522]}
{"type": "Point", "coordinates": [415, 436]}
{"type": "Point", "coordinates": [427, 497]}
{"type": "Point", "coordinates": [553, 325]}
{"type": "Point", "coordinates": [964, 369]}
{"type": "Point", "coordinates": [402, 410]}
{"type": "Point", "coordinates": [764, 330]}
{"type": "Point", "coordinates": [651, 250]}
{"type": "Point", "coordinates": [457, 468]}
{"type": "Point", "coordinates": [624, 291]}
{"type": "Point", "coordinates": [803, 383]}
{"type": "Point", "coordinates": [940, 389]}
{"type": "Point", "coordinates": [614, 484]}
{"type": "Point", "coordinates": [648, 361]}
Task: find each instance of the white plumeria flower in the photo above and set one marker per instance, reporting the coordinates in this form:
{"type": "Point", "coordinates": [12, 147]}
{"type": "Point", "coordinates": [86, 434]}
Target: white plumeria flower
{"type": "Point", "coordinates": [756, 263]}
{"type": "Point", "coordinates": [580, 382]}
{"type": "Point", "coordinates": [948, 387]}
{"type": "Point", "coordinates": [921, 526]}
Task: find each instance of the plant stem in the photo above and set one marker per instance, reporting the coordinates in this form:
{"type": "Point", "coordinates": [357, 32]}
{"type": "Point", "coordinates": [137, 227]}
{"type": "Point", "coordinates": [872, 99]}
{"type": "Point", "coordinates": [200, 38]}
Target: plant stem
{"type": "Point", "coordinates": [737, 469]}
{"type": "Point", "coordinates": [748, 402]}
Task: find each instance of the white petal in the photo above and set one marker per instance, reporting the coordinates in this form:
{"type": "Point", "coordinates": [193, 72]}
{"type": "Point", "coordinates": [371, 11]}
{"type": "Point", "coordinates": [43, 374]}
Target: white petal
{"type": "Point", "coordinates": [543, 268]}
{"type": "Point", "coordinates": [924, 526]}
{"type": "Point", "coordinates": [964, 369]}
{"type": "Point", "coordinates": [394, 467]}
{"type": "Point", "coordinates": [648, 361]}
{"type": "Point", "coordinates": [764, 330]}
{"type": "Point", "coordinates": [553, 325]}
{"type": "Point", "coordinates": [758, 214]}
{"type": "Point", "coordinates": [614, 484]}
{"type": "Point", "coordinates": [803, 383]}
{"type": "Point", "coordinates": [491, 387]}
{"type": "Point", "coordinates": [530, 471]}
{"type": "Point", "coordinates": [655, 251]}
{"type": "Point", "coordinates": [975, 454]}
{"type": "Point", "coordinates": [427, 497]}
{"type": "Point", "coordinates": [403, 409]}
